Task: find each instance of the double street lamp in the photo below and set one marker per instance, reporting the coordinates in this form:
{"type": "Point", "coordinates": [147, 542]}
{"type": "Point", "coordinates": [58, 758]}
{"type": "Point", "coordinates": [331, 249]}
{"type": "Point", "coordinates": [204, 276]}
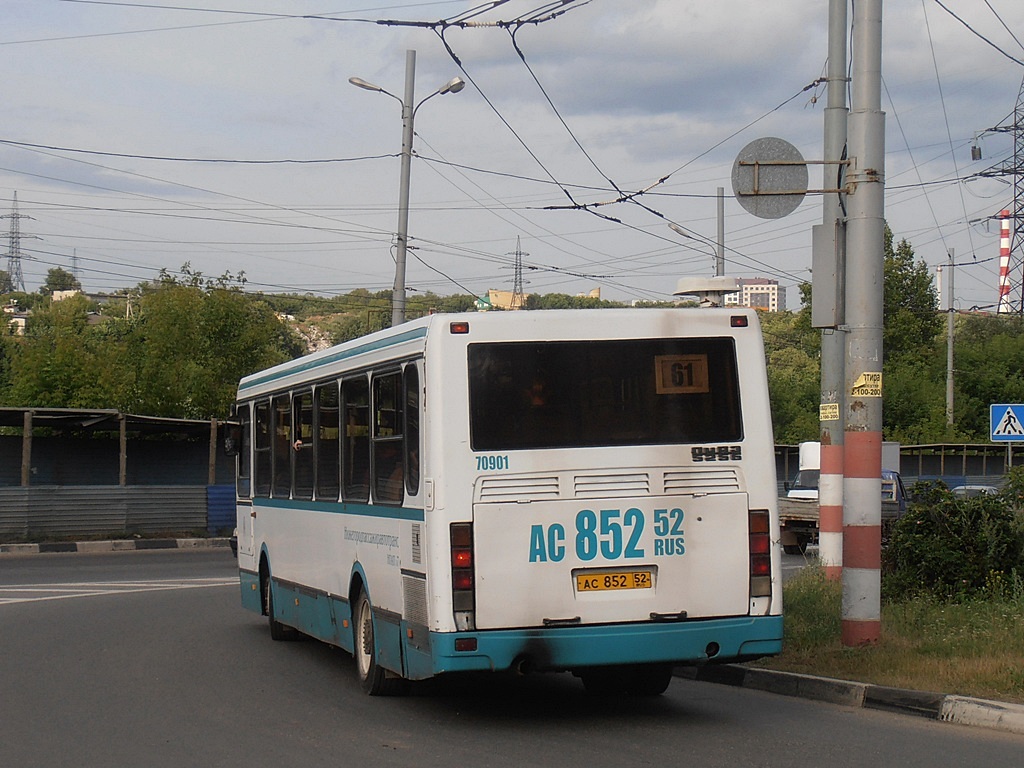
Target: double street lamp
{"type": "Point", "coordinates": [454, 85]}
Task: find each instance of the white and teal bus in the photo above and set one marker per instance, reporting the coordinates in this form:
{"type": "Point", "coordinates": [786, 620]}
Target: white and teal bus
{"type": "Point", "coordinates": [584, 490]}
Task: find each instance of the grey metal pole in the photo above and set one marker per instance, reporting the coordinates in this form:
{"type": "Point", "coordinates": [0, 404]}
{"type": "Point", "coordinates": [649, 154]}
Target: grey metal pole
{"type": "Point", "coordinates": [833, 341]}
{"type": "Point", "coordinates": [949, 344]}
{"type": "Point", "coordinates": [398, 292]}
{"type": "Point", "coordinates": [862, 456]}
{"type": "Point", "coordinates": [720, 255]}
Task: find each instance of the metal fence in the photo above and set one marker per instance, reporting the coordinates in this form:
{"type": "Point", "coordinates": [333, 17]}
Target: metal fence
{"type": "Point", "coordinates": [61, 511]}
{"type": "Point", "coordinates": [953, 463]}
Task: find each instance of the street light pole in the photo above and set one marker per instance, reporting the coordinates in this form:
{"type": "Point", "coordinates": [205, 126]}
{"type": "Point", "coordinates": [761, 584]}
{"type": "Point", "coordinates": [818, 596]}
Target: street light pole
{"type": "Point", "coordinates": [454, 85]}
{"type": "Point", "coordinates": [398, 291]}
{"type": "Point", "coordinates": [720, 256]}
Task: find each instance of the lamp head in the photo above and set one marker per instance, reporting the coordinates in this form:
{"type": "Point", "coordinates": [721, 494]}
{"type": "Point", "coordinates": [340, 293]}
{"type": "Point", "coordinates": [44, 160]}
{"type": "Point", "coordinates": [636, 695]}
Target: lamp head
{"type": "Point", "coordinates": [454, 85]}
{"type": "Point", "coordinates": [358, 82]}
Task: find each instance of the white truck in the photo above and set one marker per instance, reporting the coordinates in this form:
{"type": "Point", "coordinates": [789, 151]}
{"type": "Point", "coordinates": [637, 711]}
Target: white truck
{"type": "Point", "coordinates": [798, 509]}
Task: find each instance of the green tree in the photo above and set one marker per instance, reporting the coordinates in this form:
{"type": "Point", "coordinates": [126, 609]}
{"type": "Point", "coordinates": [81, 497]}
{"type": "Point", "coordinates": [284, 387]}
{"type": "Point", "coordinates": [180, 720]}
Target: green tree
{"type": "Point", "coordinates": [58, 279]}
{"type": "Point", "coordinates": [988, 368]}
{"type": "Point", "coordinates": [180, 355]}
{"type": "Point", "coordinates": [913, 365]}
{"type": "Point", "coordinates": [63, 362]}
{"type": "Point", "coordinates": [911, 322]}
{"type": "Point", "coordinates": [191, 344]}
{"type": "Point", "coordinates": [6, 286]}
{"type": "Point", "coordinates": [792, 353]}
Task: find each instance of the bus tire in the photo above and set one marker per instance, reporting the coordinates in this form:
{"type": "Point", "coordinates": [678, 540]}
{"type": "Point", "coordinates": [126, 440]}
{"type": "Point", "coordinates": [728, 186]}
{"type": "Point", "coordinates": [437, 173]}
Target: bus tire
{"type": "Point", "coordinates": [631, 680]}
{"type": "Point", "coordinates": [605, 681]}
{"type": "Point", "coordinates": [649, 679]}
{"type": "Point", "coordinates": [278, 631]}
{"type": "Point", "coordinates": [373, 678]}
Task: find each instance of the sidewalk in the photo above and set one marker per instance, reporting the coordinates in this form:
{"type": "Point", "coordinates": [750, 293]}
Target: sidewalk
{"type": "Point", "coordinates": [115, 545]}
{"type": "Point", "coordinates": [947, 708]}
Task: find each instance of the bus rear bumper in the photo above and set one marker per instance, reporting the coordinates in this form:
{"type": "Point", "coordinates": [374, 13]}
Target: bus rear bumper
{"type": "Point", "coordinates": [560, 648]}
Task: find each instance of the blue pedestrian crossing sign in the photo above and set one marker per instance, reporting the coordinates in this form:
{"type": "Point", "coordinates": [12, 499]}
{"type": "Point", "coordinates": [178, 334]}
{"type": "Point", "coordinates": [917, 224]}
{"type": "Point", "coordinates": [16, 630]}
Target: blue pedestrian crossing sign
{"type": "Point", "coordinates": [1006, 423]}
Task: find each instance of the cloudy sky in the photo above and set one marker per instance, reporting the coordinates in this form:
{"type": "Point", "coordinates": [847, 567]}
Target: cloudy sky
{"type": "Point", "coordinates": [225, 134]}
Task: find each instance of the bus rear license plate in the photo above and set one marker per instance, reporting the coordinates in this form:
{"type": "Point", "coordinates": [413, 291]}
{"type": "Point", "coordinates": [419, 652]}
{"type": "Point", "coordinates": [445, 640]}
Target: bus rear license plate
{"type": "Point", "coordinates": [600, 582]}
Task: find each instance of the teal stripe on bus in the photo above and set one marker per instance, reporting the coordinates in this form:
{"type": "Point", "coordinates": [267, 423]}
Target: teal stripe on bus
{"type": "Point", "coordinates": [304, 365]}
{"type": "Point", "coordinates": [344, 508]}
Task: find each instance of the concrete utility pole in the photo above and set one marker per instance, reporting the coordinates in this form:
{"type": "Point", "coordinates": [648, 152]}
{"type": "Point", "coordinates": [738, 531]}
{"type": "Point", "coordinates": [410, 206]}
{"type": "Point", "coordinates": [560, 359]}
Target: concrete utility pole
{"type": "Point", "coordinates": [949, 344]}
{"type": "Point", "coordinates": [832, 241]}
{"type": "Point", "coordinates": [862, 458]}
{"type": "Point", "coordinates": [720, 251]}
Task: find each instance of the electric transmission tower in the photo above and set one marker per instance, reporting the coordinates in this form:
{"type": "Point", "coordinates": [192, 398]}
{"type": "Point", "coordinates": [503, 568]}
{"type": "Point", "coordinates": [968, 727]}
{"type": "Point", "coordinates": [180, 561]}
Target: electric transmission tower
{"type": "Point", "coordinates": [1013, 300]}
{"type": "Point", "coordinates": [14, 246]}
{"type": "Point", "coordinates": [518, 299]}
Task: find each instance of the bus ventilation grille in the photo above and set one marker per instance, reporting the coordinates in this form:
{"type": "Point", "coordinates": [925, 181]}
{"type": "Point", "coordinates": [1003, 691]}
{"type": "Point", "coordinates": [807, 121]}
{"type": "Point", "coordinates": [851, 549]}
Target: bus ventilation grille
{"type": "Point", "coordinates": [612, 485]}
{"type": "Point", "coordinates": [689, 481]}
{"type": "Point", "coordinates": [415, 596]}
{"type": "Point", "coordinates": [518, 488]}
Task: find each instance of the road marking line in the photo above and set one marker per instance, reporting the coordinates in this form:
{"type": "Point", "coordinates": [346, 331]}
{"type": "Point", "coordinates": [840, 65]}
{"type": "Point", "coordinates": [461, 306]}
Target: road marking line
{"type": "Point", "coordinates": [66, 591]}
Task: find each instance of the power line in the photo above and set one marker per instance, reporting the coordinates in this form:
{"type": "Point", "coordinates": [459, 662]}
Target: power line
{"type": "Point", "coordinates": [980, 36]}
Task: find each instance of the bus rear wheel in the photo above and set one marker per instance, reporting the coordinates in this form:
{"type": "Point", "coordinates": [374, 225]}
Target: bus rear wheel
{"type": "Point", "coordinates": [633, 679]}
{"type": "Point", "coordinates": [373, 678]}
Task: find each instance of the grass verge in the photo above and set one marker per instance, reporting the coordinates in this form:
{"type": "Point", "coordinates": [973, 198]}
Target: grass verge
{"type": "Point", "coordinates": [973, 647]}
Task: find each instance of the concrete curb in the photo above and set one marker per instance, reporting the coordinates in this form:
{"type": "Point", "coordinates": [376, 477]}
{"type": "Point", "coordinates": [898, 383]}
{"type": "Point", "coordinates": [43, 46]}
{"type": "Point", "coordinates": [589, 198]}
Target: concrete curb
{"type": "Point", "coordinates": [115, 545]}
{"type": "Point", "coordinates": [947, 708]}
{"type": "Point", "coordinates": [987, 714]}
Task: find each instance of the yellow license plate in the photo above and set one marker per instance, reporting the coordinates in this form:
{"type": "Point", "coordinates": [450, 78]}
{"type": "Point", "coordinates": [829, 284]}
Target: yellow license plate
{"type": "Point", "coordinates": [601, 581]}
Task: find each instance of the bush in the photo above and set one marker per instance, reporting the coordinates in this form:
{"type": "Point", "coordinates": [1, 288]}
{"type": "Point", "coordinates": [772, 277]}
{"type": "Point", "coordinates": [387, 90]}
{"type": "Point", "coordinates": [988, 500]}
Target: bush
{"type": "Point", "coordinates": [953, 547]}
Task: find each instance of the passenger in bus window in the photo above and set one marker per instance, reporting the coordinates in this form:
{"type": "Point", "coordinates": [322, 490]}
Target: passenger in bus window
{"type": "Point", "coordinates": [388, 472]}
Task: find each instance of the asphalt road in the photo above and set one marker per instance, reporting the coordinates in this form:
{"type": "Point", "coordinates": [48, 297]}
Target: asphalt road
{"type": "Point", "coordinates": [147, 659]}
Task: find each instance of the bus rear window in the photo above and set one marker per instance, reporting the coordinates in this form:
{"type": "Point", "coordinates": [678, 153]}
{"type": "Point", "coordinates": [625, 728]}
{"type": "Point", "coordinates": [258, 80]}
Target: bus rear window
{"type": "Point", "coordinates": [566, 394]}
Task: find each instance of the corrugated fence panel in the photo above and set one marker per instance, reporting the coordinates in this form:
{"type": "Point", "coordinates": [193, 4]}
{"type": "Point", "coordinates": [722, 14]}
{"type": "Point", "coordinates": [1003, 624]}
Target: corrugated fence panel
{"type": "Point", "coordinates": [154, 508]}
{"type": "Point", "coordinates": [96, 510]}
{"type": "Point", "coordinates": [220, 508]}
{"type": "Point", "coordinates": [60, 510]}
{"type": "Point", "coordinates": [13, 513]}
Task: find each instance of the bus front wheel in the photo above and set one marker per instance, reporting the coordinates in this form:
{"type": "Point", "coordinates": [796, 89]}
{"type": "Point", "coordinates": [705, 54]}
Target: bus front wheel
{"type": "Point", "coordinates": [278, 631]}
{"type": "Point", "coordinates": [373, 678]}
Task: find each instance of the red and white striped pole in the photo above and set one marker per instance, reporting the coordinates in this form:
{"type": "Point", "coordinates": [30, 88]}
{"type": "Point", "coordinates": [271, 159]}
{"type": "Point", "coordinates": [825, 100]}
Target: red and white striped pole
{"type": "Point", "coordinates": [1004, 263]}
{"type": "Point", "coordinates": [862, 455]}
{"type": "Point", "coordinates": [862, 538]}
{"type": "Point", "coordinates": [830, 506]}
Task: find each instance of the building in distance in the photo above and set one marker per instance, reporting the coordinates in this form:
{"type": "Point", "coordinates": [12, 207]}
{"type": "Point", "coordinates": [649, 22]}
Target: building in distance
{"type": "Point", "coordinates": [758, 293]}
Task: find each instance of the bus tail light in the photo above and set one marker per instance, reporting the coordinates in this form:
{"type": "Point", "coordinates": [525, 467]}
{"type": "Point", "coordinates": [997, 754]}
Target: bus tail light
{"type": "Point", "coordinates": [760, 554]}
{"type": "Point", "coordinates": [463, 578]}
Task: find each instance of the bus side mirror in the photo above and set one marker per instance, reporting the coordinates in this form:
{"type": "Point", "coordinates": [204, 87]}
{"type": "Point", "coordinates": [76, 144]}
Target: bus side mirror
{"type": "Point", "coordinates": [232, 440]}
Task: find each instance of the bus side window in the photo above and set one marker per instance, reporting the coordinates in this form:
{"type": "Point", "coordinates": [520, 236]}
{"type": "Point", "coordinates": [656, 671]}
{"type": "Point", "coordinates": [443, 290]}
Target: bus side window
{"type": "Point", "coordinates": [355, 450]}
{"type": "Point", "coordinates": [328, 441]}
{"type": "Point", "coordinates": [243, 485]}
{"type": "Point", "coordinates": [282, 415]}
{"type": "Point", "coordinates": [388, 480]}
{"type": "Point", "coordinates": [303, 449]}
{"type": "Point", "coordinates": [412, 429]}
{"type": "Point", "coordinates": [262, 456]}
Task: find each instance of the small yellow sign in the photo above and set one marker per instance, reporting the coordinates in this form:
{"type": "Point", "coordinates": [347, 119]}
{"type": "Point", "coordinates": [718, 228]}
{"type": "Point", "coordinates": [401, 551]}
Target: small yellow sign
{"type": "Point", "coordinates": [868, 384]}
{"type": "Point", "coordinates": [828, 412]}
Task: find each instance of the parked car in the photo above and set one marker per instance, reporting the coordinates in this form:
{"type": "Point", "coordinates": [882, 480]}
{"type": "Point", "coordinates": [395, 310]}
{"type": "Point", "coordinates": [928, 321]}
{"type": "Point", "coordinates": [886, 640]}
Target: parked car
{"type": "Point", "coordinates": [971, 491]}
